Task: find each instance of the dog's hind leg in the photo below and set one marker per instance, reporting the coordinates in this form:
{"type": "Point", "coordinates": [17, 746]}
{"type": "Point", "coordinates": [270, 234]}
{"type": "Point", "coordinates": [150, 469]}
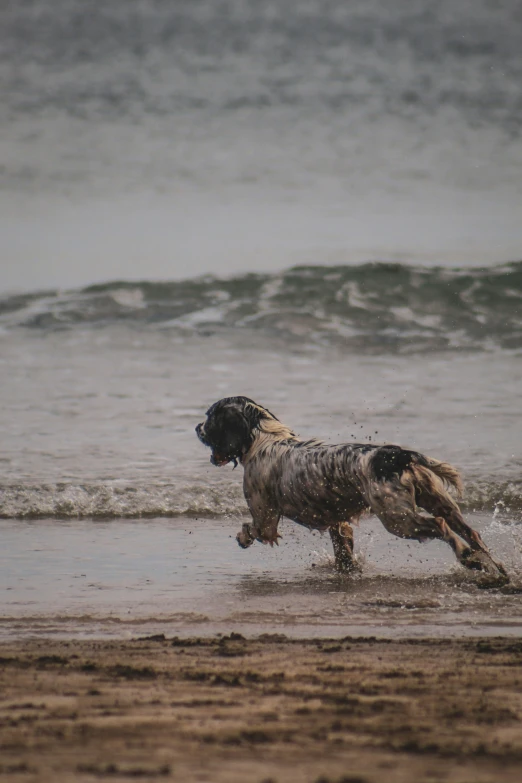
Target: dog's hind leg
{"type": "Point", "coordinates": [445, 509]}
{"type": "Point", "coordinates": [394, 503]}
{"type": "Point", "coordinates": [475, 559]}
{"type": "Point", "coordinates": [342, 540]}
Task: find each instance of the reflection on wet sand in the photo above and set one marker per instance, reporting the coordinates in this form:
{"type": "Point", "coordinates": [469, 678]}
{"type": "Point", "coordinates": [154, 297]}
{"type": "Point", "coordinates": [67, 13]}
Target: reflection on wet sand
{"type": "Point", "coordinates": [186, 576]}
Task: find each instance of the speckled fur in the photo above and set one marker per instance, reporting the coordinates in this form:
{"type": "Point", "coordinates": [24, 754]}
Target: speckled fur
{"type": "Point", "coordinates": [329, 487]}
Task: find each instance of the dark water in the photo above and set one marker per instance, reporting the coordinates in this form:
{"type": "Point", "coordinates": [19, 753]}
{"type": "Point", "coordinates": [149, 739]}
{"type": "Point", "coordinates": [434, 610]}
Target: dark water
{"type": "Point", "coordinates": [374, 307]}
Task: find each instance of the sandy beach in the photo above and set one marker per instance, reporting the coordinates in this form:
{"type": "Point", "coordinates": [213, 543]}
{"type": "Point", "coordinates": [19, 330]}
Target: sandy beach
{"type": "Point", "coordinates": [263, 709]}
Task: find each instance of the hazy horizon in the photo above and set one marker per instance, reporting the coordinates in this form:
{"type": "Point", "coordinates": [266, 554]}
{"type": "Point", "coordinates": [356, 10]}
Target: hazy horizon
{"type": "Point", "coordinates": [153, 140]}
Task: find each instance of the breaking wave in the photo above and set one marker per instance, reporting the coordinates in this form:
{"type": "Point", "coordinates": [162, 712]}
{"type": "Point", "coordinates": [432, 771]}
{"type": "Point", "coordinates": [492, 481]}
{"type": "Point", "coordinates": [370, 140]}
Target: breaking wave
{"type": "Point", "coordinates": [119, 501]}
{"type": "Point", "coordinates": [116, 501]}
{"type": "Point", "coordinates": [373, 306]}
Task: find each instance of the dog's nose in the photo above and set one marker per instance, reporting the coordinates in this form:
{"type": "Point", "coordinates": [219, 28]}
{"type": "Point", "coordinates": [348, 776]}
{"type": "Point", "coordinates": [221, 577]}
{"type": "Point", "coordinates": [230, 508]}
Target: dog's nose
{"type": "Point", "coordinates": [199, 429]}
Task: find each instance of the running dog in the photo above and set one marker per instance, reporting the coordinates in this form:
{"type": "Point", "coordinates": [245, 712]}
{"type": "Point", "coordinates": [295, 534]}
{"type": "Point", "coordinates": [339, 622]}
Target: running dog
{"type": "Point", "coordinates": [329, 487]}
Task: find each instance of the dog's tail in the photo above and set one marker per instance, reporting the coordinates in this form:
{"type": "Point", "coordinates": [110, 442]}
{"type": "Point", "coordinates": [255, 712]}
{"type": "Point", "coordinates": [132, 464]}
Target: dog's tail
{"type": "Point", "coordinates": [414, 470]}
{"type": "Point", "coordinates": [435, 476]}
{"type": "Point", "coordinates": [431, 482]}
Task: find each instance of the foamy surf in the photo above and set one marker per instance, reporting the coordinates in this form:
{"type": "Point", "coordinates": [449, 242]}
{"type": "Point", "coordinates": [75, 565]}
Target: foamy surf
{"type": "Point", "coordinates": [118, 500]}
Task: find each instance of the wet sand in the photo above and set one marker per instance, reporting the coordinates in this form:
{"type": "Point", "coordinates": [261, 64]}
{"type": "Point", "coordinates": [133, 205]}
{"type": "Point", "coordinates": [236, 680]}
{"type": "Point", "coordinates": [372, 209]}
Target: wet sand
{"type": "Point", "coordinates": [270, 708]}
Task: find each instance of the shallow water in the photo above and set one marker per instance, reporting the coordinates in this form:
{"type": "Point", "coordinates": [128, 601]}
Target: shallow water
{"type": "Point", "coordinates": [121, 578]}
{"type": "Point", "coordinates": [99, 422]}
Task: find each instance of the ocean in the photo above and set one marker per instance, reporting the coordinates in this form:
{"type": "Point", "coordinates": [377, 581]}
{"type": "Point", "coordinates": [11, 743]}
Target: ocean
{"type": "Point", "coordinates": [317, 205]}
{"type": "Point", "coordinates": [162, 139]}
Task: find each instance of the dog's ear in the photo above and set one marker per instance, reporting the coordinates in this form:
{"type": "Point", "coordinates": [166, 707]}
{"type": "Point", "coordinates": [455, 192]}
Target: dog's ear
{"type": "Point", "coordinates": [253, 415]}
{"type": "Point", "coordinates": [236, 427]}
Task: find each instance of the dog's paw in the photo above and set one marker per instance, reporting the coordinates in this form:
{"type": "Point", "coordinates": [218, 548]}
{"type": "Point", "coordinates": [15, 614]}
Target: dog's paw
{"type": "Point", "coordinates": [493, 574]}
{"type": "Point", "coordinates": [245, 537]}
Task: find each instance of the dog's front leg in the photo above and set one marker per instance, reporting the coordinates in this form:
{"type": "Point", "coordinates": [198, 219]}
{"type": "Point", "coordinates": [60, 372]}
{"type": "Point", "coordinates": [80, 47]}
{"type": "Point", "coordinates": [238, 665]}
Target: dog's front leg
{"type": "Point", "coordinates": [264, 531]}
{"type": "Point", "coordinates": [246, 536]}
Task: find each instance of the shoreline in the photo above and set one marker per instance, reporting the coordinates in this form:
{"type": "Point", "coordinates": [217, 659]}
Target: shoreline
{"type": "Point", "coordinates": [272, 708]}
{"type": "Point", "coordinates": [83, 629]}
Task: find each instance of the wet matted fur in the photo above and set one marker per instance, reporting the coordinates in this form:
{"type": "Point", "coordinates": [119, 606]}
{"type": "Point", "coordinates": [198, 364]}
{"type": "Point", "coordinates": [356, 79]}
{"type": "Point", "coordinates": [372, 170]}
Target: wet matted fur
{"type": "Point", "coordinates": [328, 487]}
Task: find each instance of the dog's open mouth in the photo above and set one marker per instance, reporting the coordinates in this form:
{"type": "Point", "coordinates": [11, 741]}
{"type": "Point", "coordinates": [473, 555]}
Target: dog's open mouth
{"type": "Point", "coordinates": [217, 459]}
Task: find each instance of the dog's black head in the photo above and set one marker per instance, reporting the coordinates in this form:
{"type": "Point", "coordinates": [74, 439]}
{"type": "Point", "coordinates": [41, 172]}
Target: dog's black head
{"type": "Point", "coordinates": [230, 428]}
